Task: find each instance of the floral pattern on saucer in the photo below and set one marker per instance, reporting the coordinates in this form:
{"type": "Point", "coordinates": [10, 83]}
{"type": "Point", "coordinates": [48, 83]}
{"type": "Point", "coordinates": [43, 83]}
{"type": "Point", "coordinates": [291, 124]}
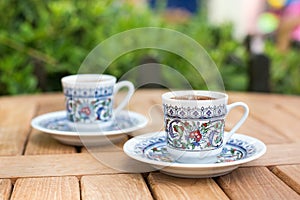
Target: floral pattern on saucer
{"type": "Point", "coordinates": [151, 149]}
{"type": "Point", "coordinates": [57, 123]}
{"type": "Point", "coordinates": [154, 148]}
{"type": "Point", "coordinates": [60, 123]}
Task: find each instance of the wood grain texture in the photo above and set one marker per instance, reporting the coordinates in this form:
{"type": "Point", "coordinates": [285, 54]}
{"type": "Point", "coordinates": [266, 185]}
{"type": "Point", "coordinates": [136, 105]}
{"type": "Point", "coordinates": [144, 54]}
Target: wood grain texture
{"type": "Point", "coordinates": [50, 165]}
{"type": "Point", "coordinates": [292, 107]}
{"type": "Point", "coordinates": [15, 124]}
{"type": "Point", "coordinates": [111, 147]}
{"type": "Point", "coordinates": [255, 183]}
{"type": "Point", "coordinates": [274, 111]}
{"type": "Point", "coordinates": [253, 127]}
{"type": "Point", "coordinates": [119, 186]}
{"type": "Point", "coordinates": [167, 187]}
{"type": "Point", "coordinates": [41, 143]}
{"type": "Point", "coordinates": [69, 164]}
{"type": "Point", "coordinates": [290, 103]}
{"type": "Point", "coordinates": [290, 174]}
{"type": "Point", "coordinates": [49, 188]}
{"type": "Point", "coordinates": [105, 163]}
{"type": "Point", "coordinates": [5, 189]}
{"type": "Point", "coordinates": [148, 104]}
{"type": "Point", "coordinates": [277, 155]}
{"type": "Point", "coordinates": [280, 120]}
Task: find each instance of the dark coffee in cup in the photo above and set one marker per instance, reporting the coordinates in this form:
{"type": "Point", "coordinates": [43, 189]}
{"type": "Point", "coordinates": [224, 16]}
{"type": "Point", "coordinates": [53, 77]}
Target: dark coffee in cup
{"type": "Point", "coordinates": [194, 124]}
{"type": "Point", "coordinates": [193, 97]}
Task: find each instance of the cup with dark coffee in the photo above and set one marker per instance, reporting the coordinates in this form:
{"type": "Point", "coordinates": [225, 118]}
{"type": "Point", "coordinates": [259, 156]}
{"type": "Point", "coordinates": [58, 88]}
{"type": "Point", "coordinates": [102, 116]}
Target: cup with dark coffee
{"type": "Point", "coordinates": [194, 124]}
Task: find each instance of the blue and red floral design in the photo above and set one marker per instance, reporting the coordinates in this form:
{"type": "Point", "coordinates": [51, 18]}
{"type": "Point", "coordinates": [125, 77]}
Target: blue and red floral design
{"type": "Point", "coordinates": [89, 110]}
{"type": "Point", "coordinates": [85, 105]}
{"type": "Point", "coordinates": [193, 135]}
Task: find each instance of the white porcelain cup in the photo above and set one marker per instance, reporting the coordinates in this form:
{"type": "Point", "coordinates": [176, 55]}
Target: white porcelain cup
{"type": "Point", "coordinates": [194, 124]}
{"type": "Point", "coordinates": [89, 99]}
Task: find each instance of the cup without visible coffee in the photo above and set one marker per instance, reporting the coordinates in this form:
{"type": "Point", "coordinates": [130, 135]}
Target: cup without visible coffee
{"type": "Point", "coordinates": [89, 99]}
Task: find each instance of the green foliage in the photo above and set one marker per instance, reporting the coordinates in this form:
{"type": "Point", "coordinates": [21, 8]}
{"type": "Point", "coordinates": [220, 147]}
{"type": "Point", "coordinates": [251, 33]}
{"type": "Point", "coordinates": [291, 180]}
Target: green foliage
{"type": "Point", "coordinates": [53, 37]}
{"type": "Point", "coordinates": [285, 70]}
{"type": "Point", "coordinates": [57, 36]}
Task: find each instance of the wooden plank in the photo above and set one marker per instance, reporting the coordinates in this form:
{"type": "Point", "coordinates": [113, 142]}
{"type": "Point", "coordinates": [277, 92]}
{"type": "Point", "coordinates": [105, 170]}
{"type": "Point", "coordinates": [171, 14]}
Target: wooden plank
{"type": "Point", "coordinates": [291, 103]}
{"type": "Point", "coordinates": [281, 121]}
{"type": "Point", "coordinates": [69, 164]}
{"type": "Point", "coordinates": [5, 189]}
{"type": "Point", "coordinates": [290, 174]}
{"type": "Point", "coordinates": [41, 143]}
{"type": "Point", "coordinates": [167, 187]}
{"type": "Point", "coordinates": [255, 183]}
{"type": "Point", "coordinates": [46, 188]}
{"type": "Point", "coordinates": [148, 103]}
{"type": "Point", "coordinates": [147, 98]}
{"type": "Point", "coordinates": [114, 162]}
{"type": "Point", "coordinates": [120, 186]}
{"type": "Point", "coordinates": [155, 121]}
{"type": "Point", "coordinates": [118, 146]}
{"type": "Point", "coordinates": [268, 110]}
{"type": "Point", "coordinates": [292, 107]}
{"type": "Point", "coordinates": [277, 155]}
{"type": "Point", "coordinates": [255, 128]}
{"type": "Point", "coordinates": [15, 124]}
{"type": "Point", "coordinates": [50, 165]}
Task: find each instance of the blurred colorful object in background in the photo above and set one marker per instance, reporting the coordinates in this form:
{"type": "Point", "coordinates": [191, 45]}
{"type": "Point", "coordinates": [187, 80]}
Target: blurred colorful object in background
{"type": "Point", "coordinates": [280, 4]}
{"type": "Point", "coordinates": [277, 4]}
{"type": "Point", "coordinates": [292, 10]}
{"type": "Point", "coordinates": [267, 22]}
{"type": "Point", "coordinates": [280, 10]}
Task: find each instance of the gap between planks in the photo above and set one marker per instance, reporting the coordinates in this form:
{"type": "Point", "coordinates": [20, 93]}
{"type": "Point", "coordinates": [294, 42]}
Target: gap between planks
{"type": "Point", "coordinates": [255, 183]}
{"type": "Point", "coordinates": [41, 143]}
{"type": "Point", "coordinates": [5, 189]}
{"type": "Point", "coordinates": [290, 174]}
{"type": "Point", "coordinates": [126, 186]}
{"type": "Point", "coordinates": [14, 130]}
{"type": "Point", "coordinates": [114, 186]}
{"type": "Point", "coordinates": [105, 163]}
{"type": "Point", "coordinates": [46, 188]}
{"type": "Point", "coordinates": [168, 187]}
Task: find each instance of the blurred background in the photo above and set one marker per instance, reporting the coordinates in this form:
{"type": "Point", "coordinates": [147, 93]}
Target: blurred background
{"type": "Point", "coordinates": [255, 44]}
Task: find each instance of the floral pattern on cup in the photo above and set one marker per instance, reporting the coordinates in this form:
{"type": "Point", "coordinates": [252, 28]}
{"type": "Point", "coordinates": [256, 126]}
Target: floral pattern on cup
{"type": "Point", "coordinates": [193, 135]}
{"type": "Point", "coordinates": [89, 109]}
{"type": "Point", "coordinates": [202, 112]}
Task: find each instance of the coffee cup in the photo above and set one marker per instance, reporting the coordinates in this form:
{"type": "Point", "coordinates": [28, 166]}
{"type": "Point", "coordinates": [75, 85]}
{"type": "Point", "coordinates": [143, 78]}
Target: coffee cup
{"type": "Point", "coordinates": [194, 124]}
{"type": "Point", "coordinates": [89, 99]}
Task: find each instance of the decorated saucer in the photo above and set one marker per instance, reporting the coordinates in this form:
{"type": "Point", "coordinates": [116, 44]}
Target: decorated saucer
{"type": "Point", "coordinates": [57, 125]}
{"type": "Point", "coordinates": [151, 148]}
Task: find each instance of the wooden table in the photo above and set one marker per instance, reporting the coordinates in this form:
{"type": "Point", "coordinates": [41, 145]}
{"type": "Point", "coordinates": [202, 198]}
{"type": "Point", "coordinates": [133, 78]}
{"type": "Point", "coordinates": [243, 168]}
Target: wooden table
{"type": "Point", "coordinates": [35, 166]}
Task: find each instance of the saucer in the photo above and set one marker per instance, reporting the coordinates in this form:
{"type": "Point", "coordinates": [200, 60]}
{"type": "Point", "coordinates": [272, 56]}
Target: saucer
{"type": "Point", "coordinates": [57, 125]}
{"type": "Point", "coordinates": [151, 148]}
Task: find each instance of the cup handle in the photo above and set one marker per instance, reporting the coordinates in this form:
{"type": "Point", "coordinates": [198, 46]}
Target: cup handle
{"type": "Point", "coordinates": [130, 92]}
{"type": "Point", "coordinates": [240, 122]}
